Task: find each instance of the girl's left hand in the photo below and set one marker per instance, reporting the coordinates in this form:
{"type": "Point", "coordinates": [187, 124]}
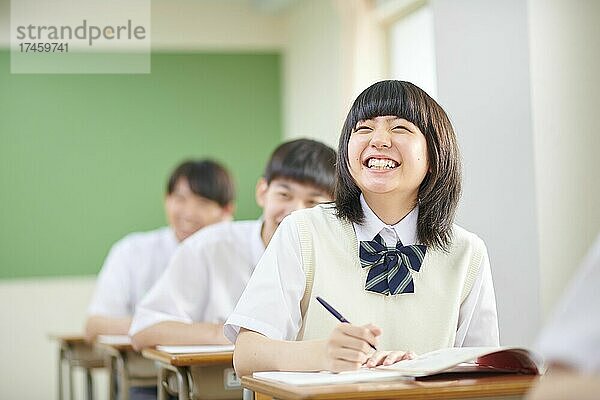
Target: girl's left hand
{"type": "Point", "coordinates": [388, 357]}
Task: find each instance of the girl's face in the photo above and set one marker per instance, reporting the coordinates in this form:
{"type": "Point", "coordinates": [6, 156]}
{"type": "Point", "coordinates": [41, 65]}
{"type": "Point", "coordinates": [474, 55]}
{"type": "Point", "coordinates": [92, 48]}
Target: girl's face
{"type": "Point", "coordinates": [388, 155]}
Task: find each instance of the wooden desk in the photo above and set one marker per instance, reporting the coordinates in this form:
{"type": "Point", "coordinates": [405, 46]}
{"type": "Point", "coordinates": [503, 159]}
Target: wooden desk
{"type": "Point", "coordinates": [441, 387]}
{"type": "Point", "coordinates": [199, 375]}
{"type": "Point", "coordinates": [126, 365]}
{"type": "Point", "coordinates": [76, 353]}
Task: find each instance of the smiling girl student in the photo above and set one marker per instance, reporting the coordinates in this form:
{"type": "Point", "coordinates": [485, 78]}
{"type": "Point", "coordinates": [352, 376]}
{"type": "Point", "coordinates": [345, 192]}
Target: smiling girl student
{"type": "Point", "coordinates": [386, 255]}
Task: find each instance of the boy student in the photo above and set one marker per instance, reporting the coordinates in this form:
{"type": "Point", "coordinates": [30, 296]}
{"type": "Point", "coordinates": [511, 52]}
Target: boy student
{"type": "Point", "coordinates": [199, 193]}
{"type": "Point", "coordinates": [209, 271]}
{"type": "Point", "coordinates": [387, 251]}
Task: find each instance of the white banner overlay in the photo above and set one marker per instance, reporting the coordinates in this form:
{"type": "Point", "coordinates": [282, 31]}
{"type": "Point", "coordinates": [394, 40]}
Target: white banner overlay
{"type": "Point", "coordinates": [80, 36]}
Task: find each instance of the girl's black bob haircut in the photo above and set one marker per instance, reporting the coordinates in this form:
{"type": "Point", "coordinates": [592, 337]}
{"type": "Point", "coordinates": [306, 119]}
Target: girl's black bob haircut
{"type": "Point", "coordinates": [440, 190]}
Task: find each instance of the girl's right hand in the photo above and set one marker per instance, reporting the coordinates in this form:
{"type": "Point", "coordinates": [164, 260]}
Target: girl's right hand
{"type": "Point", "coordinates": [349, 346]}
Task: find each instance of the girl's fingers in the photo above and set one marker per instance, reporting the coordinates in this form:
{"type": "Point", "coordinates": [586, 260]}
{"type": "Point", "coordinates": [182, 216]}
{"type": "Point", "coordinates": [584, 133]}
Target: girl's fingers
{"type": "Point", "coordinates": [342, 340]}
{"type": "Point", "coordinates": [396, 356]}
{"type": "Point", "coordinates": [350, 346]}
{"type": "Point", "coordinates": [376, 358]}
{"type": "Point", "coordinates": [375, 330]}
{"type": "Point", "coordinates": [366, 333]}
{"type": "Point", "coordinates": [350, 355]}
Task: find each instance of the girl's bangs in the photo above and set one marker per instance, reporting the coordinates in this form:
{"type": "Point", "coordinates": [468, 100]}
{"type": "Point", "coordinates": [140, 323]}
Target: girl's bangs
{"type": "Point", "coordinates": [389, 98]}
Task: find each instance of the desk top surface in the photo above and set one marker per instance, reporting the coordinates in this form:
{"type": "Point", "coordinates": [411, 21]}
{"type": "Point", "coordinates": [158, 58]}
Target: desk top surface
{"type": "Point", "coordinates": [77, 351]}
{"type": "Point", "coordinates": [188, 360]}
{"type": "Point", "coordinates": [449, 386]}
{"type": "Point", "coordinates": [68, 339]}
{"type": "Point", "coordinates": [79, 340]}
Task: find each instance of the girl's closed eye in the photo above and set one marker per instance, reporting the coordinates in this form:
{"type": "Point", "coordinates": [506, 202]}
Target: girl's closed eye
{"type": "Point", "coordinates": [400, 128]}
{"type": "Point", "coordinates": [363, 129]}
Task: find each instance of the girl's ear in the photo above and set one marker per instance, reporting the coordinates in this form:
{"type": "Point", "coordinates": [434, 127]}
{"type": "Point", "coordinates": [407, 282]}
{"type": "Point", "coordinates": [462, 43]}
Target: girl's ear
{"type": "Point", "coordinates": [261, 192]}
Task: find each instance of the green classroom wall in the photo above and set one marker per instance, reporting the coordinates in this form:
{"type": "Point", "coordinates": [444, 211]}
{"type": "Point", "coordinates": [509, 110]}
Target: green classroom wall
{"type": "Point", "coordinates": [84, 158]}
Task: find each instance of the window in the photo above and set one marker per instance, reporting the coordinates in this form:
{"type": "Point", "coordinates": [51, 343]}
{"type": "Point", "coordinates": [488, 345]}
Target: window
{"type": "Point", "coordinates": [412, 49]}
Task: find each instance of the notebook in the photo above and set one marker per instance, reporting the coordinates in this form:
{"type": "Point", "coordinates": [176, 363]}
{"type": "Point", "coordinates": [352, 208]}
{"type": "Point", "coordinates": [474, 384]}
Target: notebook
{"type": "Point", "coordinates": [467, 359]}
{"type": "Point", "coordinates": [196, 349]}
{"type": "Point", "coordinates": [327, 378]}
{"type": "Point", "coordinates": [114, 339]}
{"type": "Point", "coordinates": [451, 360]}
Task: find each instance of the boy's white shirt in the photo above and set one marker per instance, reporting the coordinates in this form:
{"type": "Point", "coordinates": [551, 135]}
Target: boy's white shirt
{"type": "Point", "coordinates": [271, 307]}
{"type": "Point", "coordinates": [205, 276]}
{"type": "Point", "coordinates": [572, 336]}
{"type": "Point", "coordinates": [132, 266]}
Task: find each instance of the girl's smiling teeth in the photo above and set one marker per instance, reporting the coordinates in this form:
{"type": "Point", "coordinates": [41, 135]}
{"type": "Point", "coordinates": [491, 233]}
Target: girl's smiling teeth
{"type": "Point", "coordinates": [381, 163]}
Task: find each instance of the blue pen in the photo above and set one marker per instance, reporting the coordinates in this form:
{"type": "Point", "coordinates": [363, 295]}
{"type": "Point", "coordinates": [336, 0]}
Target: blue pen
{"type": "Point", "coordinates": [336, 314]}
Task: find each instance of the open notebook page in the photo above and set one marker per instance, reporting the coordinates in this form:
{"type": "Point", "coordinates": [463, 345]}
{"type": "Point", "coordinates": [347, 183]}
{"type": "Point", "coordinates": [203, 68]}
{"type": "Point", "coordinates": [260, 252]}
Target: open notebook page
{"type": "Point", "coordinates": [113, 339]}
{"type": "Point", "coordinates": [196, 349]}
{"type": "Point", "coordinates": [326, 378]}
{"type": "Point", "coordinates": [501, 358]}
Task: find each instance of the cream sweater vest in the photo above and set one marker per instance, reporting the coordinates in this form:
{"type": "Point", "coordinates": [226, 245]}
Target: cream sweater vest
{"type": "Point", "coordinates": [422, 321]}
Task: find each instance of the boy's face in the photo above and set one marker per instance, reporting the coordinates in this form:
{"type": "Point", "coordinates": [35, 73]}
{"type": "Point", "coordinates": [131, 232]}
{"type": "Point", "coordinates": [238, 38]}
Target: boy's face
{"type": "Point", "coordinates": [188, 212]}
{"type": "Point", "coordinates": [282, 196]}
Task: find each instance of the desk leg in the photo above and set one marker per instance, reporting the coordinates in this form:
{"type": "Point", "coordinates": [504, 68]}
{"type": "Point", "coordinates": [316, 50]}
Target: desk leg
{"type": "Point", "coordinates": [162, 383]}
{"type": "Point", "coordinates": [89, 384]}
{"type": "Point", "coordinates": [183, 384]}
{"type": "Point", "coordinates": [247, 394]}
{"type": "Point", "coordinates": [123, 378]}
{"type": "Point", "coordinates": [112, 378]}
{"type": "Point", "coordinates": [71, 391]}
{"type": "Point", "coordinates": [61, 355]}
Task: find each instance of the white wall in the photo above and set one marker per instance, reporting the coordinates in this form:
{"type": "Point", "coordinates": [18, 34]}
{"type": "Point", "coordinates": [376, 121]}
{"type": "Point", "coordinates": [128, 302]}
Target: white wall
{"type": "Point", "coordinates": [176, 25]}
{"type": "Point", "coordinates": [232, 25]}
{"type": "Point", "coordinates": [334, 50]}
{"type": "Point", "coordinates": [31, 310]}
{"type": "Point", "coordinates": [4, 24]}
{"type": "Point", "coordinates": [565, 79]}
{"type": "Point", "coordinates": [413, 57]}
{"type": "Point", "coordinates": [483, 83]}
{"type": "Point", "coordinates": [312, 64]}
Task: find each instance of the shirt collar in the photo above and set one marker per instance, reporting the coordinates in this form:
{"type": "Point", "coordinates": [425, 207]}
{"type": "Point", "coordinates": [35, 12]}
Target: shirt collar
{"type": "Point", "coordinates": [258, 247]}
{"type": "Point", "coordinates": [406, 228]}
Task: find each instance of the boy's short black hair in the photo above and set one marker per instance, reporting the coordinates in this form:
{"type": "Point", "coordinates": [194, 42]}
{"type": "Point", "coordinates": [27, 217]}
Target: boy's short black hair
{"type": "Point", "coordinates": [206, 178]}
{"type": "Point", "coordinates": [303, 160]}
{"type": "Point", "coordinates": [441, 188]}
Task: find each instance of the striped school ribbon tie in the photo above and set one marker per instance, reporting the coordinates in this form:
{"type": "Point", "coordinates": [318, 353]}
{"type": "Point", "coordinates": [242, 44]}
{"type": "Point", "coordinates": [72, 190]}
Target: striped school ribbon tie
{"type": "Point", "coordinates": [389, 266]}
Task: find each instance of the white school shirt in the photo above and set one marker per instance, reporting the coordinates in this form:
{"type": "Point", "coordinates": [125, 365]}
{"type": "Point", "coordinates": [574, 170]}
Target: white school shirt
{"type": "Point", "coordinates": [281, 320]}
{"type": "Point", "coordinates": [573, 335]}
{"type": "Point", "coordinates": [205, 277]}
{"type": "Point", "coordinates": [132, 266]}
